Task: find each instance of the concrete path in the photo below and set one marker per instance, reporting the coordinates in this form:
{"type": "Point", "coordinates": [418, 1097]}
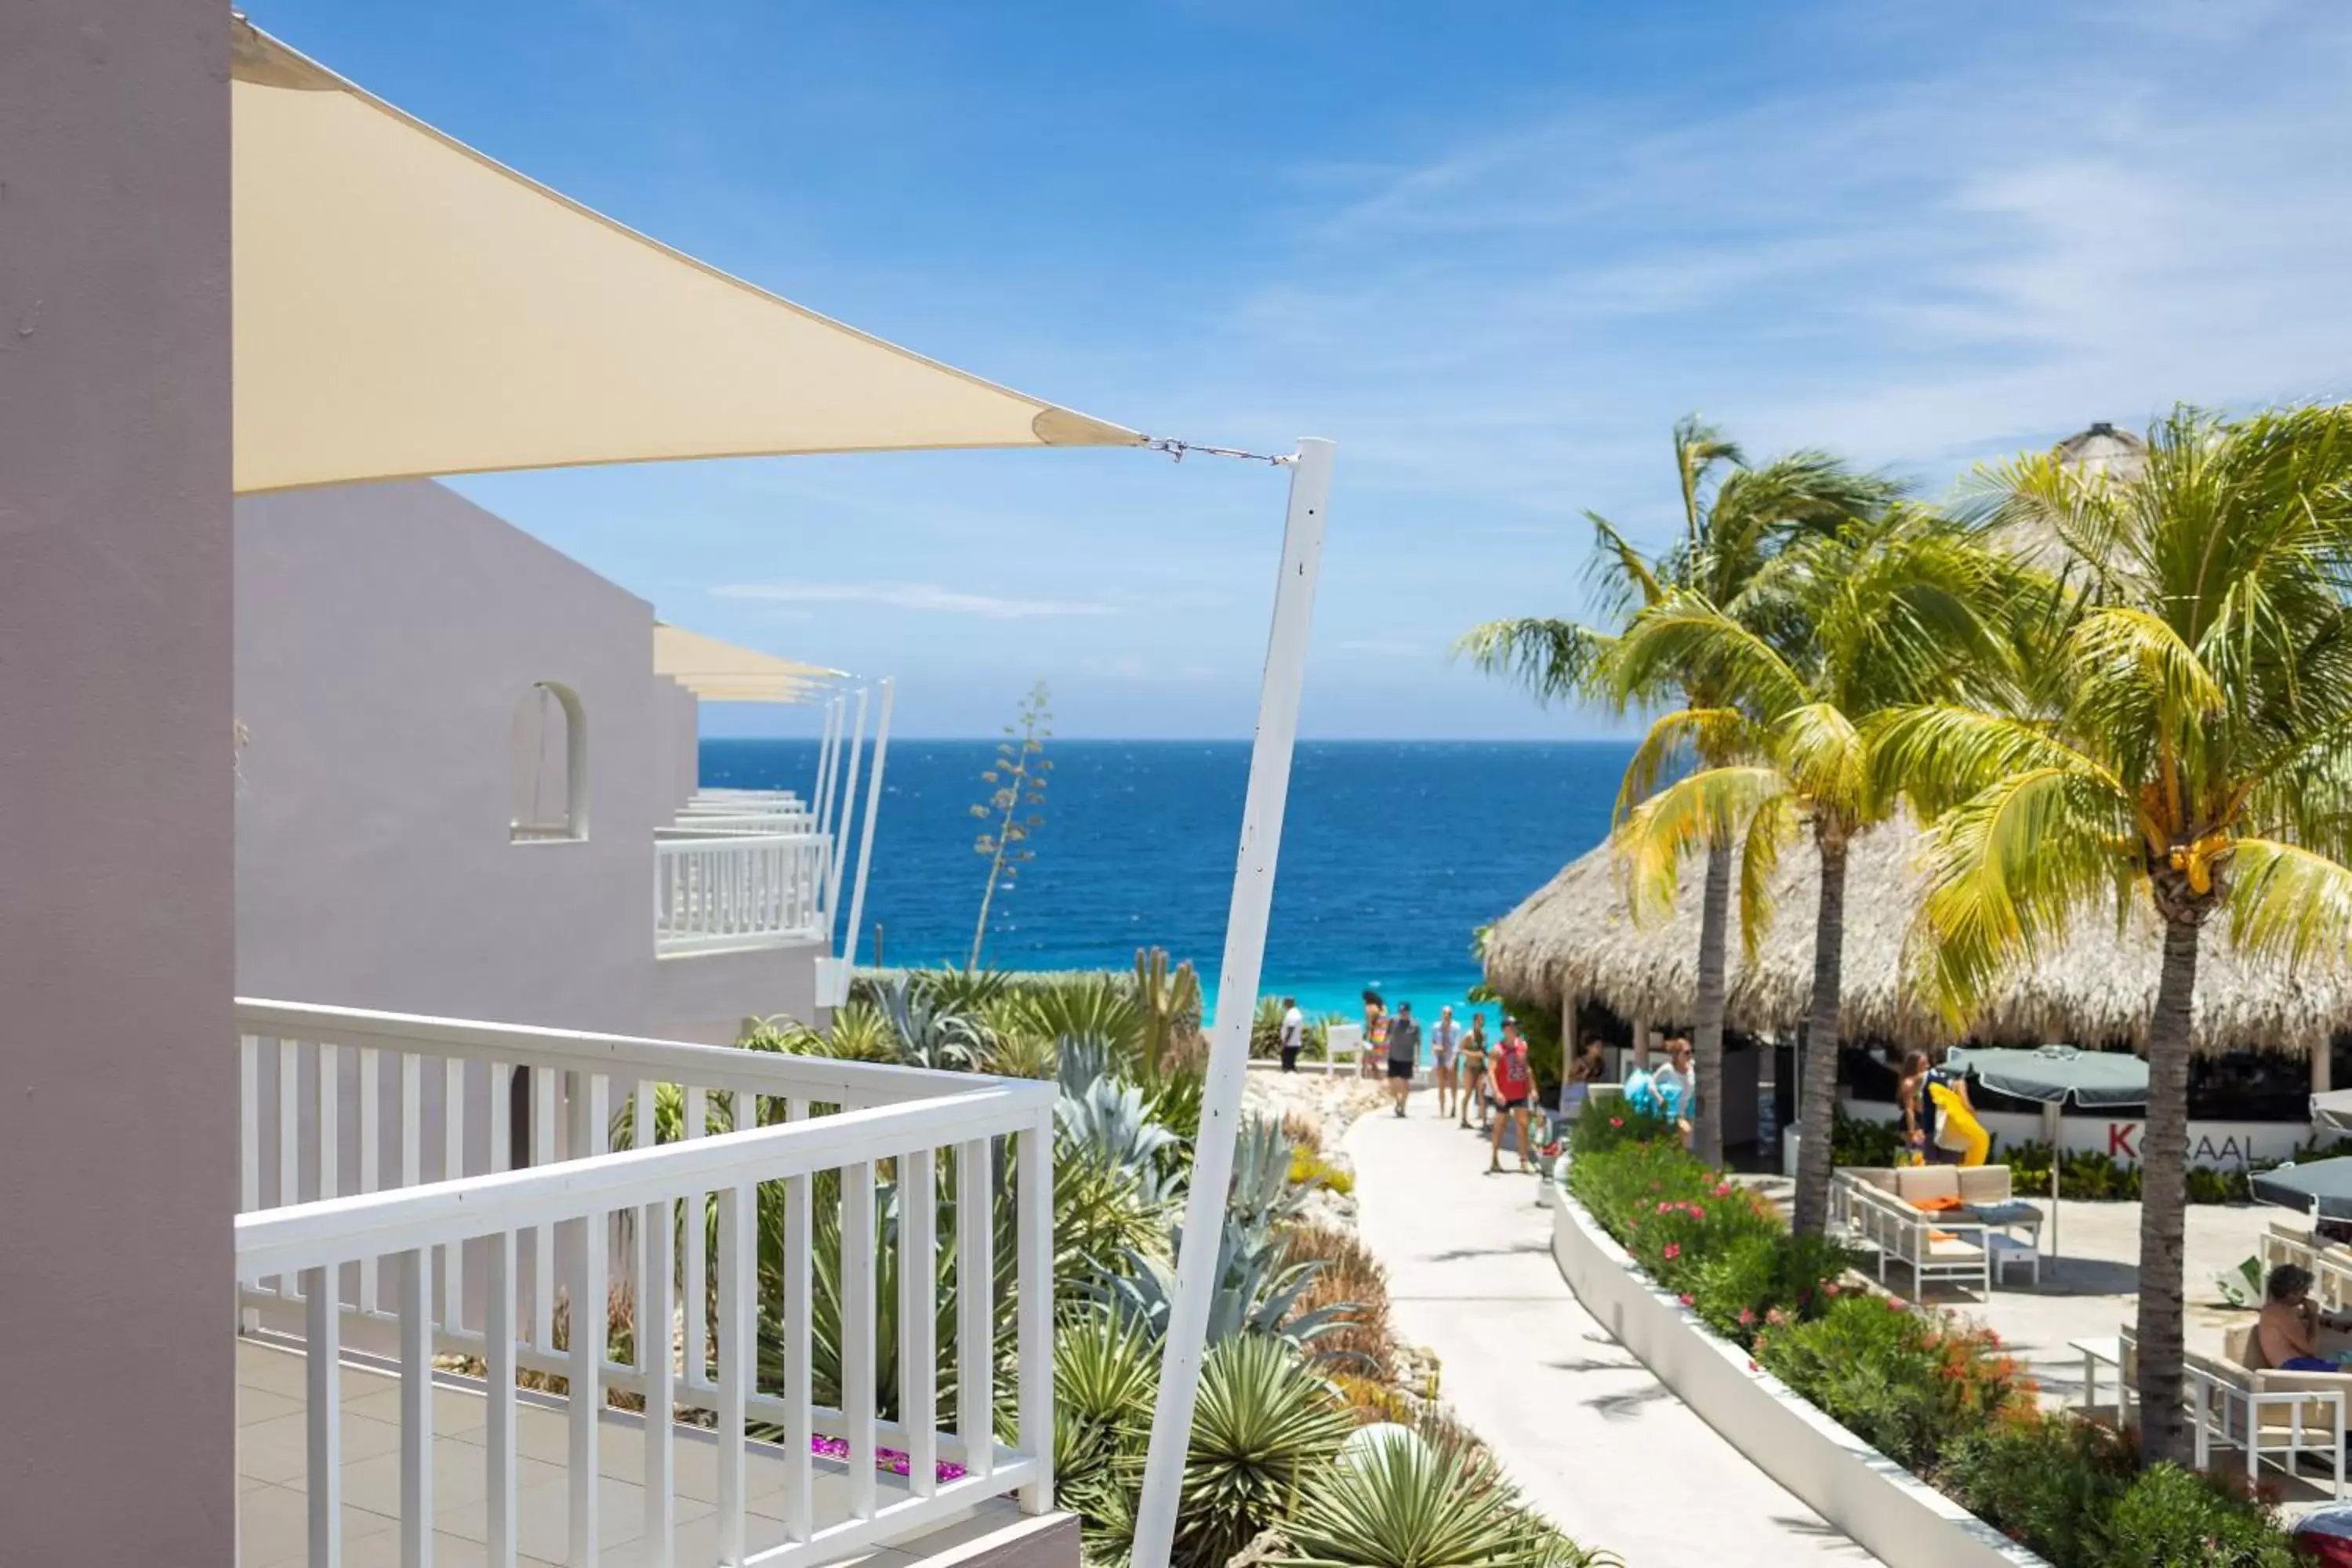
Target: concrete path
{"type": "Point", "coordinates": [1596, 1442]}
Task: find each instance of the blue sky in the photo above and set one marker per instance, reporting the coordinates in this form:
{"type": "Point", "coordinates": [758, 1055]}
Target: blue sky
{"type": "Point", "coordinates": [1491, 249]}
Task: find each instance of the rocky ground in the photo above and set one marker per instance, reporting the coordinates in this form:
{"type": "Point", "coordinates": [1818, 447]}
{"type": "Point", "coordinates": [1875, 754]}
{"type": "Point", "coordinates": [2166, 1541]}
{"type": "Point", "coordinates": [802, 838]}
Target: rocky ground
{"type": "Point", "coordinates": [1331, 1105]}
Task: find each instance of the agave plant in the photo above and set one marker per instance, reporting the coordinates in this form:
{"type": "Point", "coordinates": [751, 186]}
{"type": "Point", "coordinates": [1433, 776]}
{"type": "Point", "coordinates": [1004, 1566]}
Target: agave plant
{"type": "Point", "coordinates": [1265, 1424]}
{"type": "Point", "coordinates": [1258, 1290]}
{"type": "Point", "coordinates": [1409, 1504]}
{"type": "Point", "coordinates": [1262, 1194]}
{"type": "Point", "coordinates": [1108, 1121]}
{"type": "Point", "coordinates": [929, 1034]}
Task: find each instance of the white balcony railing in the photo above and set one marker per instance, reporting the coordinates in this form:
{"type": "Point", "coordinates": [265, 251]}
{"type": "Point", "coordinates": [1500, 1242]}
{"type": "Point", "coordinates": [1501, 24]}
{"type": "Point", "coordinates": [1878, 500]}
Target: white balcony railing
{"type": "Point", "coordinates": [749, 810]}
{"type": "Point", "coordinates": [716, 887]}
{"type": "Point", "coordinates": [346, 1113]}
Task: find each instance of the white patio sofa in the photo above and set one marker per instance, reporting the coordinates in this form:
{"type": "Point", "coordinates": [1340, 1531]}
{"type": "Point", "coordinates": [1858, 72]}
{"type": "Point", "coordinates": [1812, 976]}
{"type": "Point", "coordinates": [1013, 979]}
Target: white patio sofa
{"type": "Point", "coordinates": [1877, 1208]}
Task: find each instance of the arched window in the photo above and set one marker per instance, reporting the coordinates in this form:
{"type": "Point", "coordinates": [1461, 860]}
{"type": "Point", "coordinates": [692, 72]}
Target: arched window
{"type": "Point", "coordinates": [551, 767]}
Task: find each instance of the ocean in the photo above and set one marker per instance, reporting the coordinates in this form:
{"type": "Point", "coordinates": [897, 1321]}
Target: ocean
{"type": "Point", "coordinates": [1393, 852]}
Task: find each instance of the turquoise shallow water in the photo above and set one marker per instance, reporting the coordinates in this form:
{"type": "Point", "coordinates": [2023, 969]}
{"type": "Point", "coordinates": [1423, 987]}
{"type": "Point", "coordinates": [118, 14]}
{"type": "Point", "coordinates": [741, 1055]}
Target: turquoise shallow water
{"type": "Point", "coordinates": [1392, 853]}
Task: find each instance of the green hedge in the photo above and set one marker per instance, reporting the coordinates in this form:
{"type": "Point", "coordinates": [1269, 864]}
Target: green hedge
{"type": "Point", "coordinates": [1932, 1392]}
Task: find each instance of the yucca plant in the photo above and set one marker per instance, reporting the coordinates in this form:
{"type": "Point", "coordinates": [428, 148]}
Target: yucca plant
{"type": "Point", "coordinates": [1266, 1425]}
{"type": "Point", "coordinates": [1095, 1005]}
{"type": "Point", "coordinates": [1105, 1380]}
{"type": "Point", "coordinates": [1407, 1504]}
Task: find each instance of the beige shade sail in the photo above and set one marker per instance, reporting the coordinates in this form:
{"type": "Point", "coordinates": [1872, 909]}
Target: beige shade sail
{"type": "Point", "coordinates": [721, 672]}
{"type": "Point", "coordinates": [406, 307]}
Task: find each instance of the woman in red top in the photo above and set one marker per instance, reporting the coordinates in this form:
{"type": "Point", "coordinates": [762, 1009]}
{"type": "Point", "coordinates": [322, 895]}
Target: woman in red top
{"type": "Point", "coordinates": [1507, 1069]}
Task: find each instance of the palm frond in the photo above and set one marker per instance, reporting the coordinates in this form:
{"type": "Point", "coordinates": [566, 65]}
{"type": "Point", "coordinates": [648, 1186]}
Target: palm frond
{"type": "Point", "coordinates": [2287, 902]}
{"type": "Point", "coordinates": [1619, 573]}
{"type": "Point", "coordinates": [1768, 832]}
{"type": "Point", "coordinates": [2131, 643]}
{"type": "Point", "coordinates": [1940, 754]}
{"type": "Point", "coordinates": [1715, 806]}
{"type": "Point", "coordinates": [1553, 660]}
{"type": "Point", "coordinates": [1687, 641]}
{"type": "Point", "coordinates": [1826, 758]}
{"type": "Point", "coordinates": [1675, 742]}
{"type": "Point", "coordinates": [2010, 866]}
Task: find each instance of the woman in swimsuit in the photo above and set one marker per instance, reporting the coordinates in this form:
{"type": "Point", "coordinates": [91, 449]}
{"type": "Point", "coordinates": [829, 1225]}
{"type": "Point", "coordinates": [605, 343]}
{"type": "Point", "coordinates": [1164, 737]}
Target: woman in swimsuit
{"type": "Point", "coordinates": [1471, 1072]}
{"type": "Point", "coordinates": [1375, 1053]}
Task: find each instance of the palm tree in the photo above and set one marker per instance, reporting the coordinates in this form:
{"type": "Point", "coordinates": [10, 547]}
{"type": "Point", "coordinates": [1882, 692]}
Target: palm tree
{"type": "Point", "coordinates": [1898, 608]}
{"type": "Point", "coordinates": [2192, 745]}
{"type": "Point", "coordinates": [1735, 520]}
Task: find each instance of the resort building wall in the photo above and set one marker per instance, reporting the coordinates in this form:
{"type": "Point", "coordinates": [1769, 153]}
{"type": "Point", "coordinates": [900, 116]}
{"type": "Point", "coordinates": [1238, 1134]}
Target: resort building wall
{"type": "Point", "coordinates": [114, 784]}
{"type": "Point", "coordinates": [2218, 1145]}
{"type": "Point", "coordinates": [414, 677]}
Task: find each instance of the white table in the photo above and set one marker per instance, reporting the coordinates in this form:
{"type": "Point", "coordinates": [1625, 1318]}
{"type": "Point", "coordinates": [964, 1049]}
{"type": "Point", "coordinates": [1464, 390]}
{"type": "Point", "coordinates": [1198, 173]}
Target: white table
{"type": "Point", "coordinates": [2008, 1252]}
{"type": "Point", "coordinates": [2096, 1353]}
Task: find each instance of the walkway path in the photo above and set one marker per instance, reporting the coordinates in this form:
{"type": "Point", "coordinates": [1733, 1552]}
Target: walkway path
{"type": "Point", "coordinates": [1595, 1441]}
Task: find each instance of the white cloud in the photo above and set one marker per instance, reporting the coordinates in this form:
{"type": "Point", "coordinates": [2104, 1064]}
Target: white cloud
{"type": "Point", "coordinates": [920, 596]}
{"type": "Point", "coordinates": [1991, 241]}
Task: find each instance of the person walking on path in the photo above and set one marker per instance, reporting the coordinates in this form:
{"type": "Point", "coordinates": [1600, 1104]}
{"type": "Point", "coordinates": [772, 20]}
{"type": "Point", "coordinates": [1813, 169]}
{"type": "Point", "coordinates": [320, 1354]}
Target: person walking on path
{"type": "Point", "coordinates": [1513, 1090]}
{"type": "Point", "coordinates": [1294, 1033]}
{"type": "Point", "coordinates": [1444, 1039]}
{"type": "Point", "coordinates": [1405, 1054]}
{"type": "Point", "coordinates": [1376, 1033]}
{"type": "Point", "coordinates": [1471, 1070]}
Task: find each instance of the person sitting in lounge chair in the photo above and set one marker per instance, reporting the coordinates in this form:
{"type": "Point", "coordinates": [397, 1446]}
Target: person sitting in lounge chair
{"type": "Point", "coordinates": [2288, 1328]}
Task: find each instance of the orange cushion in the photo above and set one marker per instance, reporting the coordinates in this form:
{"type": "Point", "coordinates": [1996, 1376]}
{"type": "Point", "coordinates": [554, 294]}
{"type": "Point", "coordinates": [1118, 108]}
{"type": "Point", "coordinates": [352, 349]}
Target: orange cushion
{"type": "Point", "coordinates": [1936, 1205]}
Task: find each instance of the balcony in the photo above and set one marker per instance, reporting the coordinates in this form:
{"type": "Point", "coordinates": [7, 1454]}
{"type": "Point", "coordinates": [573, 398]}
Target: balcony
{"type": "Point", "coordinates": [418, 1219]}
{"type": "Point", "coordinates": [725, 883]}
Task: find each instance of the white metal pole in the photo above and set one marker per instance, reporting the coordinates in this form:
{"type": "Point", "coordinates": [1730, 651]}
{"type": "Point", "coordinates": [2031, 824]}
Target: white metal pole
{"type": "Point", "coordinates": [865, 831]}
{"type": "Point", "coordinates": [820, 794]}
{"type": "Point", "coordinates": [1237, 980]}
{"type": "Point", "coordinates": [847, 799]}
{"type": "Point", "coordinates": [2049, 1114]}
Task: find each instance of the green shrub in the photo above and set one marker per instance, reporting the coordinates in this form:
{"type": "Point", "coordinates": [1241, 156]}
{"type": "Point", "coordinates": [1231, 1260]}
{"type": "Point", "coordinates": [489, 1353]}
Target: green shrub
{"type": "Point", "coordinates": [1612, 1123]}
{"type": "Point", "coordinates": [1903, 1384]}
{"type": "Point", "coordinates": [2171, 1518]}
{"type": "Point", "coordinates": [1854, 1141]}
{"type": "Point", "coordinates": [2051, 1482]}
{"type": "Point", "coordinates": [1737, 1289]}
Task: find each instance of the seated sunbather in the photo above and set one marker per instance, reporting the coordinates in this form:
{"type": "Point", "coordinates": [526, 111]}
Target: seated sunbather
{"type": "Point", "coordinates": [2288, 1328]}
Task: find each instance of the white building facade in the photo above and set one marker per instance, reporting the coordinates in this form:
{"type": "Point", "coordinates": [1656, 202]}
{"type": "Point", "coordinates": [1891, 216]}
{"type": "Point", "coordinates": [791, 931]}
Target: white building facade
{"type": "Point", "coordinates": [462, 784]}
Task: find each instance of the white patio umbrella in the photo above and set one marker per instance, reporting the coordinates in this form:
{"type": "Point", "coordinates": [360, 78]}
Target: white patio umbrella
{"type": "Point", "coordinates": [2052, 1075]}
{"type": "Point", "coordinates": [406, 307]}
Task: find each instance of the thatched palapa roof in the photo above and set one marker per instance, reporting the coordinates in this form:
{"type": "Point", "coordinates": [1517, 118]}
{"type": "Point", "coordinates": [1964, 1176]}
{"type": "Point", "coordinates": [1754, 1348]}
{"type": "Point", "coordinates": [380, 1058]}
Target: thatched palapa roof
{"type": "Point", "coordinates": [1574, 941]}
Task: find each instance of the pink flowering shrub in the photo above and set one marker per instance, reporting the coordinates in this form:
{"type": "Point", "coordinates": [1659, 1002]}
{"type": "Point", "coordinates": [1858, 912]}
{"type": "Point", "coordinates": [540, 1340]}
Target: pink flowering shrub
{"type": "Point", "coordinates": [1700, 1235]}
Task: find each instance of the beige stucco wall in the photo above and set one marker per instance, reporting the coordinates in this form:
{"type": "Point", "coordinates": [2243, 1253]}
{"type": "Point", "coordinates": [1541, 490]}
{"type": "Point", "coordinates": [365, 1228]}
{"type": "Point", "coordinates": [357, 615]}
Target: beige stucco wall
{"type": "Point", "coordinates": [115, 774]}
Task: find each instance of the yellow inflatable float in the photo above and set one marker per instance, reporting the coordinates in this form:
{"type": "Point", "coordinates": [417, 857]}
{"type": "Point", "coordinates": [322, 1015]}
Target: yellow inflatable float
{"type": "Point", "coordinates": [1959, 1130]}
